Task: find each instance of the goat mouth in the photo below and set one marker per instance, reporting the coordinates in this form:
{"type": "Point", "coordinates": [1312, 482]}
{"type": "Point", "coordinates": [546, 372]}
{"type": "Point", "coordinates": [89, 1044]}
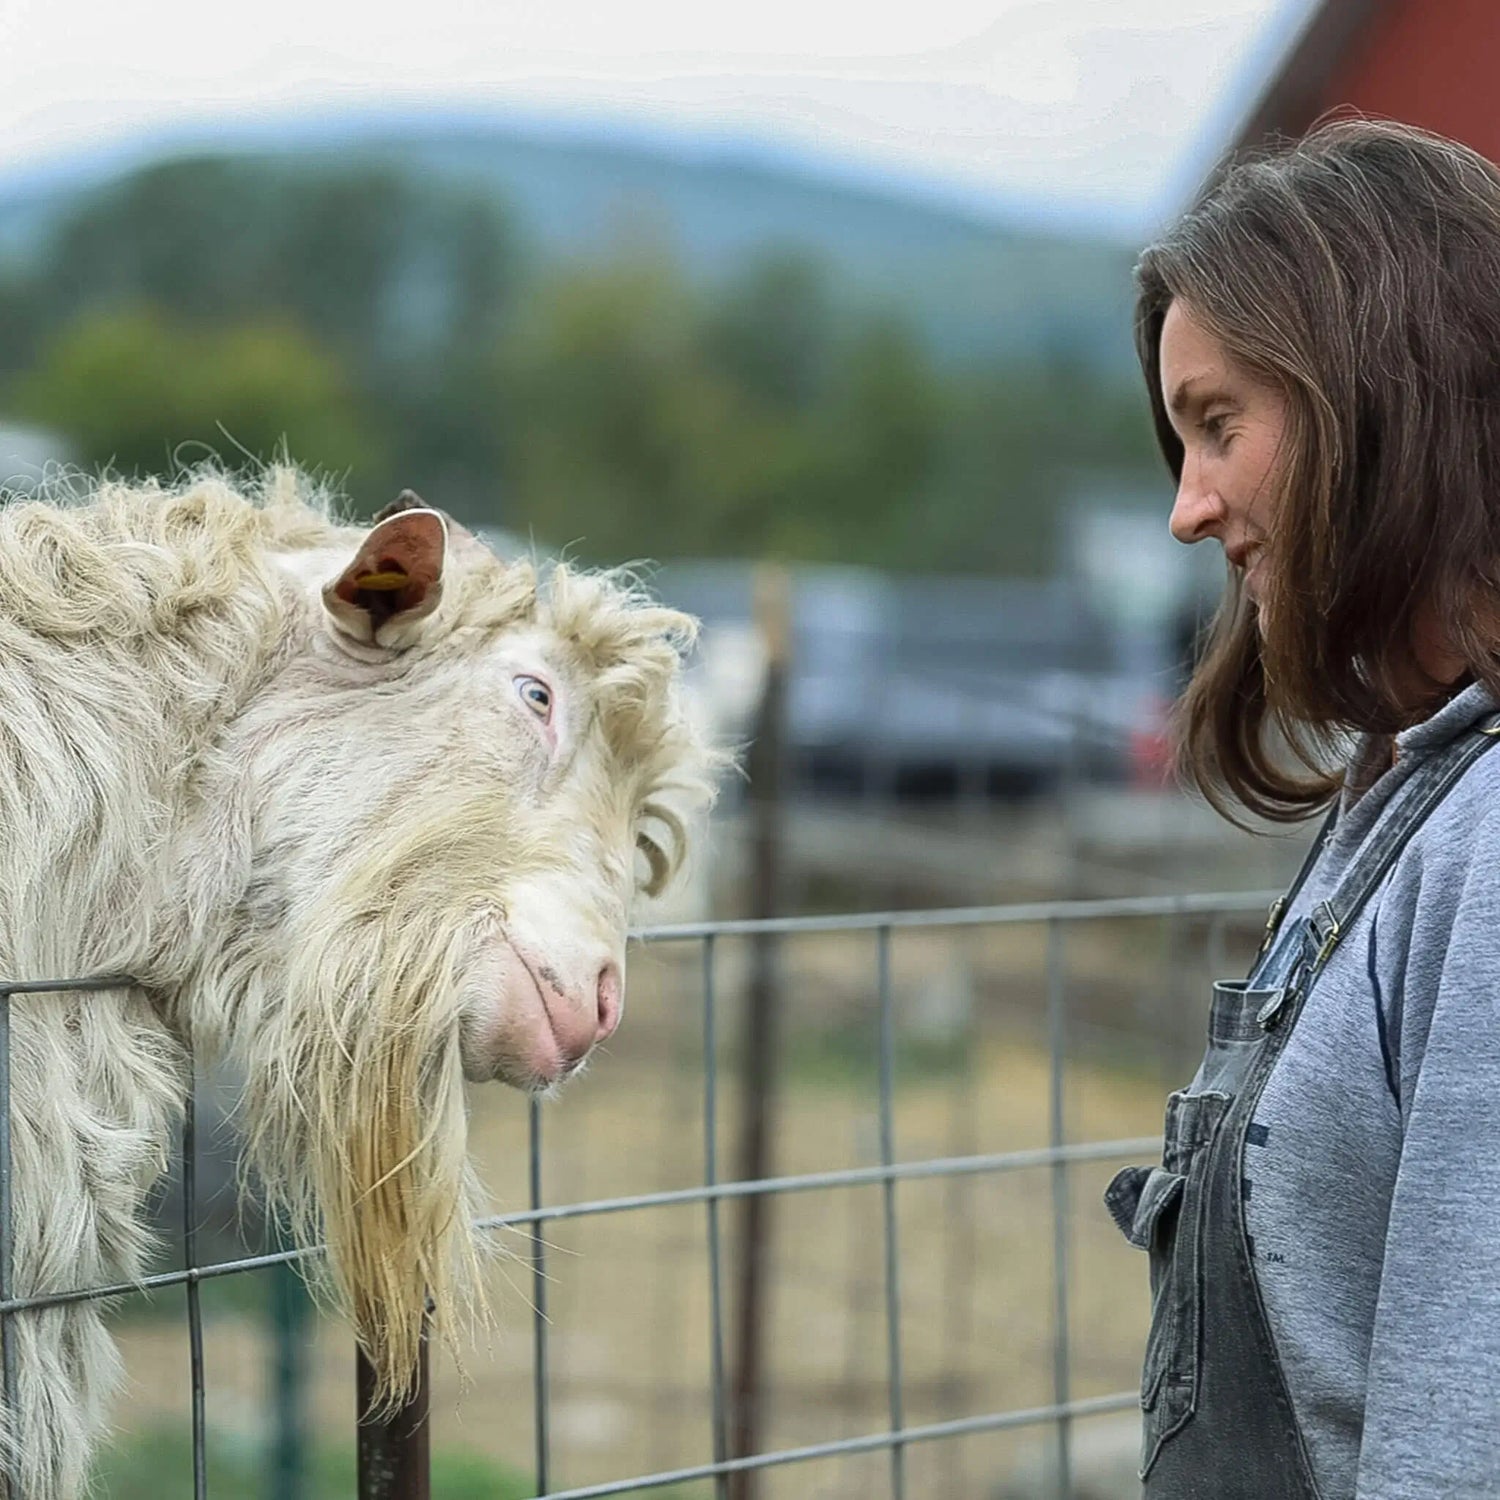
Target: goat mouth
{"type": "Point", "coordinates": [540, 1079]}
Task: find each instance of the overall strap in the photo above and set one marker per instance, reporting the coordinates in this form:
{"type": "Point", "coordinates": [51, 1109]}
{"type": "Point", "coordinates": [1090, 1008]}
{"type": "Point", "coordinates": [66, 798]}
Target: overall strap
{"type": "Point", "coordinates": [1280, 905]}
{"type": "Point", "coordinates": [1331, 918]}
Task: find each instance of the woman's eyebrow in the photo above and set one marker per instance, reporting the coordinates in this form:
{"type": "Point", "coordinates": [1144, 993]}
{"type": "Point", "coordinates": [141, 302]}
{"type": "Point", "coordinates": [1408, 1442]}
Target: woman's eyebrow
{"type": "Point", "coordinates": [1195, 390]}
{"type": "Point", "coordinates": [1182, 397]}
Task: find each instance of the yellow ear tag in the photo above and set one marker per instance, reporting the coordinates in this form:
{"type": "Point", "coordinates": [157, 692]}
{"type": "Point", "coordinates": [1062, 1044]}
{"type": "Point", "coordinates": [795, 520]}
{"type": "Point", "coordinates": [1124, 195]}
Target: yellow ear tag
{"type": "Point", "coordinates": [382, 583]}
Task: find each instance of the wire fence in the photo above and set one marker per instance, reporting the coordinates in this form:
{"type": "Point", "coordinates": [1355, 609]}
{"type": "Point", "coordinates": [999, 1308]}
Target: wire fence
{"type": "Point", "coordinates": [393, 1455]}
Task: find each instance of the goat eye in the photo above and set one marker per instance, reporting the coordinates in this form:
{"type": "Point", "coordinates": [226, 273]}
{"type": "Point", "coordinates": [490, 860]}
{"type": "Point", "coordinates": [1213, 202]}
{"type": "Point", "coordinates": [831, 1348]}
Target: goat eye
{"type": "Point", "coordinates": [536, 695]}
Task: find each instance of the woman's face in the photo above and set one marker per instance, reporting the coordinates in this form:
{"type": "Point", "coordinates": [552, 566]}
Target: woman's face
{"type": "Point", "coordinates": [1231, 426]}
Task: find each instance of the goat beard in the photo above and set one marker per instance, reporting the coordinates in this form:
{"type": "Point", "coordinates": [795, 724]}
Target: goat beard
{"type": "Point", "coordinates": [356, 1125]}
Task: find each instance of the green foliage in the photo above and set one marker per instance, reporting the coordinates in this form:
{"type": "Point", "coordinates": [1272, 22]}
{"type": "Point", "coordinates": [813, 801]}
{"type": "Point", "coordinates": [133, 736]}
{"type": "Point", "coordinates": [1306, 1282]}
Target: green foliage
{"type": "Point", "coordinates": [845, 1055]}
{"type": "Point", "coordinates": [385, 269]}
{"type": "Point", "coordinates": [1017, 440]}
{"type": "Point", "coordinates": [645, 418]}
{"type": "Point", "coordinates": [387, 325]}
{"type": "Point", "coordinates": [158, 1463]}
{"type": "Point", "coordinates": [130, 387]}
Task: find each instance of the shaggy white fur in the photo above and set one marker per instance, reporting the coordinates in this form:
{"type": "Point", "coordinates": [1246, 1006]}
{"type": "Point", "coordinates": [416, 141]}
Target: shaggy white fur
{"type": "Point", "coordinates": [363, 811]}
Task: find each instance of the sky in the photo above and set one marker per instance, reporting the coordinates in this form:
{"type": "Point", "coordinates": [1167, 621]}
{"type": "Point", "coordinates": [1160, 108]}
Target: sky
{"type": "Point", "coordinates": [1110, 107]}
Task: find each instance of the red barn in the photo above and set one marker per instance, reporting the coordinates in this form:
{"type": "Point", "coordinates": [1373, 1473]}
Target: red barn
{"type": "Point", "coordinates": [1427, 62]}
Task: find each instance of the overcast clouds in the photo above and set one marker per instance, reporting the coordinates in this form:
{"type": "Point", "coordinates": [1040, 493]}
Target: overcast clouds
{"type": "Point", "coordinates": [1104, 103]}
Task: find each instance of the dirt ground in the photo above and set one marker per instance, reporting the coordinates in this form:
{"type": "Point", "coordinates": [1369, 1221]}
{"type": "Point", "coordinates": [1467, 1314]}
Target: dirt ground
{"type": "Point", "coordinates": [629, 1324]}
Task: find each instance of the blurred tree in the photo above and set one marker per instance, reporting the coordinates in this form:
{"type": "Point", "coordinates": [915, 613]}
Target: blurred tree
{"type": "Point", "coordinates": [23, 320]}
{"type": "Point", "coordinates": [383, 266]}
{"type": "Point", "coordinates": [772, 329]}
{"type": "Point", "coordinates": [131, 388]}
{"type": "Point", "coordinates": [606, 403]}
{"type": "Point", "coordinates": [1018, 441]}
{"type": "Point", "coordinates": [646, 419]}
{"type": "Point", "coordinates": [611, 404]}
{"type": "Point", "coordinates": [406, 282]}
{"type": "Point", "coordinates": [883, 430]}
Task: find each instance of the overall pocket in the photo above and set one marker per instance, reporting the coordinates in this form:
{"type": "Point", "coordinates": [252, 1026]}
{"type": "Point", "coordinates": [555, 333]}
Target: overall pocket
{"type": "Point", "coordinates": [1159, 1209]}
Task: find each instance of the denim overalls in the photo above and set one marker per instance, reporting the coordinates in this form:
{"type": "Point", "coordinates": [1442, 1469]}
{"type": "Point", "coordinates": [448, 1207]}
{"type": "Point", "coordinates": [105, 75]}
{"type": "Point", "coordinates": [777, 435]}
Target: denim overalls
{"type": "Point", "coordinates": [1217, 1417]}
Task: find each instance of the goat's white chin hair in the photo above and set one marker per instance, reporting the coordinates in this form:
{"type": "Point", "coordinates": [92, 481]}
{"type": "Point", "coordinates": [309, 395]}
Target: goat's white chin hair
{"type": "Point", "coordinates": [356, 1122]}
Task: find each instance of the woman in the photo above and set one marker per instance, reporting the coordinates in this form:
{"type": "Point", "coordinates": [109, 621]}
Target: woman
{"type": "Point", "coordinates": [1321, 341]}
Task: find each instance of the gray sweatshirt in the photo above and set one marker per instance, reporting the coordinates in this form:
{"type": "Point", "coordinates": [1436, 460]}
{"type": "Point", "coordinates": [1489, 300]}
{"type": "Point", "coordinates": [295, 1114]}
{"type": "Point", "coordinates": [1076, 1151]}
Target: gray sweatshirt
{"type": "Point", "coordinates": [1373, 1163]}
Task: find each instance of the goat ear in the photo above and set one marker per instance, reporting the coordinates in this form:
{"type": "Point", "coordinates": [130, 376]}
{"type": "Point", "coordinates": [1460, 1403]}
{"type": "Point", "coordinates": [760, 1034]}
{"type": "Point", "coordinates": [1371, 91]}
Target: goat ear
{"type": "Point", "coordinates": [396, 579]}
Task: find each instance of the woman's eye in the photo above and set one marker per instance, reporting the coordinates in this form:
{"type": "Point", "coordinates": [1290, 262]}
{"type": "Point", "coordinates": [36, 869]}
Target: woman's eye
{"type": "Point", "coordinates": [536, 695]}
{"type": "Point", "coordinates": [1213, 427]}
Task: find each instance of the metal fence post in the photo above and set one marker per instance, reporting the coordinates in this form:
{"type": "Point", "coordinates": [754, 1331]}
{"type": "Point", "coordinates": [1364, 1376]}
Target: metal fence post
{"type": "Point", "coordinates": [1056, 1047]}
{"type": "Point", "coordinates": [394, 1452]}
{"type": "Point", "coordinates": [710, 1179]}
{"type": "Point", "coordinates": [190, 1267]}
{"type": "Point", "coordinates": [289, 1316]}
{"type": "Point", "coordinates": [894, 1371]}
{"type": "Point", "coordinates": [540, 1369]}
{"type": "Point", "coordinates": [761, 1026]}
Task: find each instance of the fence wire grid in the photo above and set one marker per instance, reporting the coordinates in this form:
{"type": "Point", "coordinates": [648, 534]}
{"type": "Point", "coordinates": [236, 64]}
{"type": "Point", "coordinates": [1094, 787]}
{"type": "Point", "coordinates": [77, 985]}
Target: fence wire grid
{"type": "Point", "coordinates": [898, 1436]}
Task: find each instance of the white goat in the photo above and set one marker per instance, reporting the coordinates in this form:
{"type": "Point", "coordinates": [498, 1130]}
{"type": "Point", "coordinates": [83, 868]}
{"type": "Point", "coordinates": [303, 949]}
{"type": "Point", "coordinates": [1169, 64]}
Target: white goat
{"type": "Point", "coordinates": [363, 811]}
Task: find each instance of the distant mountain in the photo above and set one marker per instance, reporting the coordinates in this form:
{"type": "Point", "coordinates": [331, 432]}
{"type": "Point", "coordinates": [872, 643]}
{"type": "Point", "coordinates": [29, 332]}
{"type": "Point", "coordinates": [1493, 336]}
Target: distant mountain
{"type": "Point", "coordinates": [979, 286]}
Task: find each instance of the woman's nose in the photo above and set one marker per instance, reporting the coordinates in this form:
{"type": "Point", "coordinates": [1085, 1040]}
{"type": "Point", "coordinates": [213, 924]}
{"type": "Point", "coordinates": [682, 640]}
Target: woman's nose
{"type": "Point", "coordinates": [1197, 512]}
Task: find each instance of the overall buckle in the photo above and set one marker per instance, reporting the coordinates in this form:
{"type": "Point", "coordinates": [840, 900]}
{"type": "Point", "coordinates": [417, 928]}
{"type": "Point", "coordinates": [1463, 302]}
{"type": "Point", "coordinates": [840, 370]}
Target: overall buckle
{"type": "Point", "coordinates": [1273, 921]}
{"type": "Point", "coordinates": [1326, 932]}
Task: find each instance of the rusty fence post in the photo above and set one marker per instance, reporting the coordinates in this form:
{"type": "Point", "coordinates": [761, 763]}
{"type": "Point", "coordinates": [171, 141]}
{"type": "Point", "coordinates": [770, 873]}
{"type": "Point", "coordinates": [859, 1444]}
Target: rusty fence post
{"type": "Point", "coordinates": [773, 607]}
{"type": "Point", "coordinates": [395, 1457]}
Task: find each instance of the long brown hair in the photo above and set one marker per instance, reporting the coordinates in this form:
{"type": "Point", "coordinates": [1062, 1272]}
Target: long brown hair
{"type": "Point", "coordinates": [1359, 272]}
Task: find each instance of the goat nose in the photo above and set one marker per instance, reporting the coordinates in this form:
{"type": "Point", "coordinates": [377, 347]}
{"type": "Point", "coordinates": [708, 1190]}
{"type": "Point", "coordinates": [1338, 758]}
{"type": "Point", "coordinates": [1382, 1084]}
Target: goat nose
{"type": "Point", "coordinates": [610, 999]}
